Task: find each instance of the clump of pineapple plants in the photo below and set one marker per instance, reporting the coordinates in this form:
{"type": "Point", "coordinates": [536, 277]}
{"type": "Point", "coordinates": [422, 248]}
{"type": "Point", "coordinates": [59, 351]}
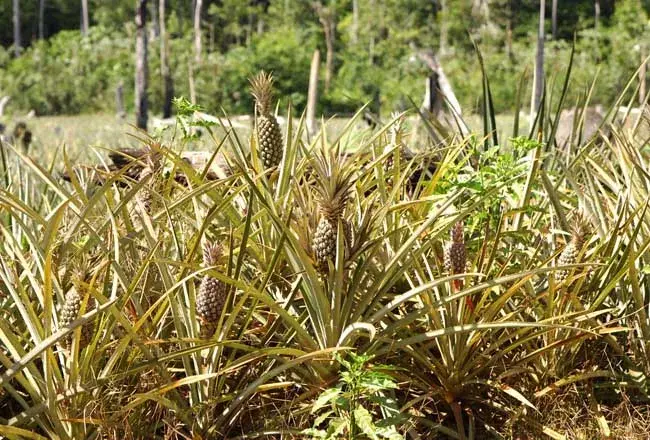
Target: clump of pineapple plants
{"type": "Point", "coordinates": [466, 308]}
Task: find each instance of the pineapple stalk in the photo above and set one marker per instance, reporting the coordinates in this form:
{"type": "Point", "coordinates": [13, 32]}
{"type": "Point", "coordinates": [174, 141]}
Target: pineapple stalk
{"type": "Point", "coordinates": [268, 129]}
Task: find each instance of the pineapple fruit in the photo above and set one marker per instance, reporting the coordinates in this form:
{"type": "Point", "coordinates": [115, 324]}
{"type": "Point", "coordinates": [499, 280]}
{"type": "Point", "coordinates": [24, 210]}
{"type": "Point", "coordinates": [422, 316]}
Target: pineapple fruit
{"type": "Point", "coordinates": [213, 293]}
{"type": "Point", "coordinates": [151, 167]}
{"type": "Point", "coordinates": [456, 254]}
{"type": "Point", "coordinates": [456, 258]}
{"type": "Point", "coordinates": [268, 129]}
{"type": "Point", "coordinates": [333, 193]}
{"type": "Point", "coordinates": [569, 255]}
{"type": "Point", "coordinates": [71, 311]}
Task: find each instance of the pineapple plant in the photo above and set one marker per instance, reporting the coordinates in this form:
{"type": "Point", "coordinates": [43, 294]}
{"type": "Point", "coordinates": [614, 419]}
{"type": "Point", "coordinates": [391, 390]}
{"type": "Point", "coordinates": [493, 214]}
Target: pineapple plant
{"type": "Point", "coordinates": [268, 129]}
{"type": "Point", "coordinates": [456, 258]}
{"type": "Point", "coordinates": [333, 184]}
{"type": "Point", "coordinates": [72, 310]}
{"type": "Point", "coordinates": [571, 252]}
{"type": "Point", "coordinates": [213, 293]}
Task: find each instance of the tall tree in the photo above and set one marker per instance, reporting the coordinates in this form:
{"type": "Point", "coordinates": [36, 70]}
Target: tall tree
{"type": "Point", "coordinates": [539, 61]}
{"type": "Point", "coordinates": [443, 16]}
{"type": "Point", "coordinates": [197, 31]}
{"type": "Point", "coordinates": [155, 20]}
{"type": "Point", "coordinates": [355, 21]}
{"type": "Point", "coordinates": [84, 17]}
{"type": "Point", "coordinates": [554, 19]}
{"type": "Point", "coordinates": [17, 42]}
{"type": "Point", "coordinates": [328, 21]}
{"type": "Point", "coordinates": [168, 82]}
{"type": "Point", "coordinates": [642, 74]}
{"type": "Point", "coordinates": [312, 93]}
{"type": "Point", "coordinates": [141, 104]}
{"type": "Point", "coordinates": [41, 19]}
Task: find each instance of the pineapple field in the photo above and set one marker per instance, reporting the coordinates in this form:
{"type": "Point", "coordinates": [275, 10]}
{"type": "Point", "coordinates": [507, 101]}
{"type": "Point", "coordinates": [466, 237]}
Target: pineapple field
{"type": "Point", "coordinates": [408, 281]}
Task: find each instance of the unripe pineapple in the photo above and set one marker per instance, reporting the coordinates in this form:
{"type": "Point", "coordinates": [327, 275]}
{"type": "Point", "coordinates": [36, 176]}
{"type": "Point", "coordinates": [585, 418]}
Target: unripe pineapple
{"type": "Point", "coordinates": [455, 253]}
{"type": "Point", "coordinates": [151, 167]}
{"type": "Point", "coordinates": [456, 259]}
{"type": "Point", "coordinates": [333, 192]}
{"type": "Point", "coordinates": [71, 311]}
{"type": "Point", "coordinates": [570, 254]}
{"type": "Point", "coordinates": [268, 130]}
{"type": "Point", "coordinates": [325, 238]}
{"type": "Point", "coordinates": [212, 294]}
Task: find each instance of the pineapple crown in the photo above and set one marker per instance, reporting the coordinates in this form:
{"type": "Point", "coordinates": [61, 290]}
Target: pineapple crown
{"type": "Point", "coordinates": [581, 228]}
{"type": "Point", "coordinates": [212, 252]}
{"type": "Point", "coordinates": [458, 232]}
{"type": "Point", "coordinates": [262, 91]}
{"type": "Point", "coordinates": [335, 178]}
{"type": "Point", "coordinates": [82, 273]}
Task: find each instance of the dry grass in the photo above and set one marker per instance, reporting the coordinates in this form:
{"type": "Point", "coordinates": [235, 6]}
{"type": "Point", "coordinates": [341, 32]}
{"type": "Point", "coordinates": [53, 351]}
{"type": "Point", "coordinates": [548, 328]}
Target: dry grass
{"type": "Point", "coordinates": [79, 132]}
{"type": "Point", "coordinates": [576, 415]}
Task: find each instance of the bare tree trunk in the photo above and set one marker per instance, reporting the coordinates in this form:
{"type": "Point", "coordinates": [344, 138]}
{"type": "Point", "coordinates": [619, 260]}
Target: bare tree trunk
{"type": "Point", "coordinates": [509, 38]}
{"type": "Point", "coordinates": [554, 19]}
{"type": "Point", "coordinates": [212, 38]}
{"type": "Point", "coordinates": [596, 13]}
{"type": "Point", "coordinates": [119, 100]}
{"type": "Point", "coordinates": [249, 28]}
{"type": "Point", "coordinates": [197, 31]}
{"type": "Point", "coordinates": [355, 21]}
{"type": "Point", "coordinates": [430, 94]}
{"type": "Point", "coordinates": [141, 104]}
{"type": "Point", "coordinates": [328, 21]}
{"type": "Point", "coordinates": [642, 75]}
{"type": "Point", "coordinates": [312, 95]}
{"type": "Point", "coordinates": [179, 13]}
{"type": "Point", "coordinates": [444, 28]}
{"type": "Point", "coordinates": [371, 43]}
{"type": "Point", "coordinates": [41, 19]}
{"type": "Point", "coordinates": [155, 20]}
{"type": "Point", "coordinates": [17, 42]}
{"type": "Point", "coordinates": [84, 17]}
{"type": "Point", "coordinates": [481, 9]}
{"type": "Point", "coordinates": [438, 87]}
{"type": "Point", "coordinates": [168, 82]}
{"type": "Point", "coordinates": [3, 102]}
{"type": "Point", "coordinates": [260, 23]}
{"type": "Point", "coordinates": [539, 61]}
{"type": "Point", "coordinates": [190, 79]}
{"type": "Point", "coordinates": [329, 57]}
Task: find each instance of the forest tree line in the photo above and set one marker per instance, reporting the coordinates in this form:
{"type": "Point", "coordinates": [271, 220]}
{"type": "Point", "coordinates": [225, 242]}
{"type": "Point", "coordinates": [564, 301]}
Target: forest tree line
{"type": "Point", "coordinates": [206, 49]}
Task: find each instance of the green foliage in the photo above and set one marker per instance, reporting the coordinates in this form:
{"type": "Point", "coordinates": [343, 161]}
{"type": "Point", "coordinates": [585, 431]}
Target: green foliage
{"type": "Point", "coordinates": [70, 74]}
{"type": "Point", "coordinates": [360, 406]}
{"type": "Point", "coordinates": [457, 370]}
{"type": "Point", "coordinates": [373, 59]}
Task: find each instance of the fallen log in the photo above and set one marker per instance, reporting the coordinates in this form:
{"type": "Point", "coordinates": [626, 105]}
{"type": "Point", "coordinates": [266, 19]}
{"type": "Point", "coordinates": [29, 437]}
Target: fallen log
{"type": "Point", "coordinates": [132, 161]}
